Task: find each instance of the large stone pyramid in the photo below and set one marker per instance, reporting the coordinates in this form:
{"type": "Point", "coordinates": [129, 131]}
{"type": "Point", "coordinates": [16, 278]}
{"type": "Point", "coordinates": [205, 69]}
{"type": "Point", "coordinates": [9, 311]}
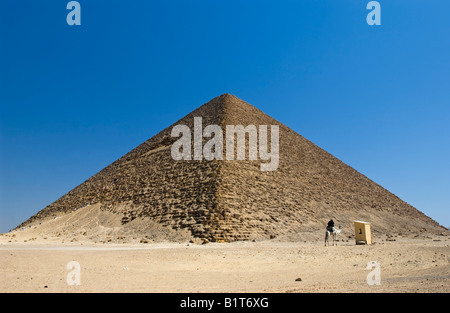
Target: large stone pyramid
{"type": "Point", "coordinates": [223, 200]}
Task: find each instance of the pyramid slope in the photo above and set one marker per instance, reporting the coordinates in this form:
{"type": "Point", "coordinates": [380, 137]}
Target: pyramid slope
{"type": "Point", "coordinates": [234, 200]}
{"type": "Point", "coordinates": [147, 182]}
{"type": "Point", "coordinates": [309, 187]}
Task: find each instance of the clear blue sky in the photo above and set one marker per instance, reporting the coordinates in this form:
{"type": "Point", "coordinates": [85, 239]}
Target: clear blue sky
{"type": "Point", "coordinates": [73, 99]}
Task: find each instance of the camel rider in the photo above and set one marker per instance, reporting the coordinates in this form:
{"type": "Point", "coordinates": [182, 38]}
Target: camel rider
{"type": "Point", "coordinates": [330, 226]}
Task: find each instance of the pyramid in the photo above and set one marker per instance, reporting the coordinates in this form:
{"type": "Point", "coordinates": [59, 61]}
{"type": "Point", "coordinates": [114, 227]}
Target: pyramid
{"type": "Point", "coordinates": [230, 200]}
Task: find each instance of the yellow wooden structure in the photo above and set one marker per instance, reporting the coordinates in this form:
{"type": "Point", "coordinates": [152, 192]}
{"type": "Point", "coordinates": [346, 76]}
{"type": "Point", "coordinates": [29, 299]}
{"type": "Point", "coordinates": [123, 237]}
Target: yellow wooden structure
{"type": "Point", "coordinates": [362, 233]}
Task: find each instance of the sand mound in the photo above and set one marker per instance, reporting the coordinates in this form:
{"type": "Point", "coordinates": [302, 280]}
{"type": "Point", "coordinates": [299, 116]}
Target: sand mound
{"type": "Point", "coordinates": [90, 224]}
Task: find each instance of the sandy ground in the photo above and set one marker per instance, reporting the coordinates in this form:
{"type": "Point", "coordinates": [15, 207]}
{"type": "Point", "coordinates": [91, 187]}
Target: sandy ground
{"type": "Point", "coordinates": [406, 265]}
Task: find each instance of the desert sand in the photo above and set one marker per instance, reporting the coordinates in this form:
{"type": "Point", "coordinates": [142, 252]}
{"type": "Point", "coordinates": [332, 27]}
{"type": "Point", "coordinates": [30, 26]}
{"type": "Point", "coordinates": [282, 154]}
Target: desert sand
{"type": "Point", "coordinates": [407, 264]}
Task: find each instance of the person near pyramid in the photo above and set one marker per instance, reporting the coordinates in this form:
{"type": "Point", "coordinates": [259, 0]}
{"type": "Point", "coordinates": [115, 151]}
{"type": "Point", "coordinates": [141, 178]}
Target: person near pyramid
{"type": "Point", "coordinates": [330, 226]}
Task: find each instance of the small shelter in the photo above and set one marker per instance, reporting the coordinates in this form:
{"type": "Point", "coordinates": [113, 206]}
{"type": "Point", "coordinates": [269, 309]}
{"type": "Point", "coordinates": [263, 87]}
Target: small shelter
{"type": "Point", "coordinates": [362, 233]}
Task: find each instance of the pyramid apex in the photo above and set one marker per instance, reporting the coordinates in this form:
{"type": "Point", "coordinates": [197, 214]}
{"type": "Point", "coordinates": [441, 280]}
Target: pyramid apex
{"type": "Point", "coordinates": [227, 96]}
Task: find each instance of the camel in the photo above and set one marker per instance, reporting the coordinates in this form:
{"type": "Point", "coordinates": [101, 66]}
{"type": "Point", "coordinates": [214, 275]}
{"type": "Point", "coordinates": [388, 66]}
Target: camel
{"type": "Point", "coordinates": [334, 232]}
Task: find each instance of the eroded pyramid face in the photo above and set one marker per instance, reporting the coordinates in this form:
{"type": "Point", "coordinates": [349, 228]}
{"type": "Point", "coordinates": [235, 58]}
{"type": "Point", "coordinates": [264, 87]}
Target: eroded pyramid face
{"type": "Point", "coordinates": [261, 189]}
